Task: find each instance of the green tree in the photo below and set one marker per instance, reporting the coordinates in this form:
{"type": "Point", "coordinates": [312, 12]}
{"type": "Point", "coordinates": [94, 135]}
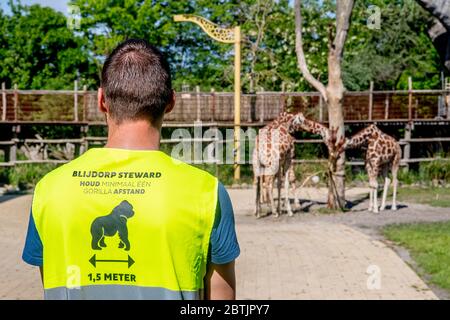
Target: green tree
{"type": "Point", "coordinates": [389, 55]}
{"type": "Point", "coordinates": [195, 58]}
{"type": "Point", "coordinates": [40, 51]}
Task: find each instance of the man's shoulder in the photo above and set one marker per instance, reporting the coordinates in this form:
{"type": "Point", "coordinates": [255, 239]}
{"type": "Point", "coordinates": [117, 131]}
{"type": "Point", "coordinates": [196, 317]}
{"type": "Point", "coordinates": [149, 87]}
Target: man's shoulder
{"type": "Point", "coordinates": [190, 169]}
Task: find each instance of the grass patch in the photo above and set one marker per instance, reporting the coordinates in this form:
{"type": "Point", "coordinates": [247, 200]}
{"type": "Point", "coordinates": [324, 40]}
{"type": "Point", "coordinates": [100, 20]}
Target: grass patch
{"type": "Point", "coordinates": [325, 210]}
{"type": "Point", "coordinates": [428, 245]}
{"type": "Point", "coordinates": [436, 197]}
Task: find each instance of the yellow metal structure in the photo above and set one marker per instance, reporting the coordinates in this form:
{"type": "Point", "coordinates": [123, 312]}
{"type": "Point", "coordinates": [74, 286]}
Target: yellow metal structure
{"type": "Point", "coordinates": [224, 35]}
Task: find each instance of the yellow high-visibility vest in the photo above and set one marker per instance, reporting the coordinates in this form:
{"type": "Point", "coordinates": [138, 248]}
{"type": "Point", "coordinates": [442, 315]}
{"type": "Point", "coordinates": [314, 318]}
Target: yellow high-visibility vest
{"type": "Point", "coordinates": [125, 224]}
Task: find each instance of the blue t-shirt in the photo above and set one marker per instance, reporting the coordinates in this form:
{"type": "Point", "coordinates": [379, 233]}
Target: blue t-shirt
{"type": "Point", "coordinates": [223, 248]}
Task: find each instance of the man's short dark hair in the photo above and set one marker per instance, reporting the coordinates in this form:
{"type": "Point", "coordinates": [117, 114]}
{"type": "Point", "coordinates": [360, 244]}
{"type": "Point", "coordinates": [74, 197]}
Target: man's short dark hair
{"type": "Point", "coordinates": [136, 82]}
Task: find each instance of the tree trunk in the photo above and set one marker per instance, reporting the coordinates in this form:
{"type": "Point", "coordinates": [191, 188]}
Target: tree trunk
{"type": "Point", "coordinates": [335, 93]}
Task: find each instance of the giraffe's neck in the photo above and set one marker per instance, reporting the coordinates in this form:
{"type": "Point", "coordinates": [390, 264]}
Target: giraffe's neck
{"type": "Point", "coordinates": [283, 119]}
{"type": "Point", "coordinates": [360, 139]}
{"type": "Point", "coordinates": [316, 128]}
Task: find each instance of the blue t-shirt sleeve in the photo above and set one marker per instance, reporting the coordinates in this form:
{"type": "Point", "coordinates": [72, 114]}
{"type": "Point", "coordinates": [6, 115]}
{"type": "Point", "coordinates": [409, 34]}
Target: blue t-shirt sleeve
{"type": "Point", "coordinates": [33, 250]}
{"type": "Point", "coordinates": [224, 244]}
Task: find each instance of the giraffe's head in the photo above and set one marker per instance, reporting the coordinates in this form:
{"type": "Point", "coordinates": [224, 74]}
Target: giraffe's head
{"type": "Point", "coordinates": [372, 131]}
{"type": "Point", "coordinates": [297, 123]}
{"type": "Point", "coordinates": [336, 146]}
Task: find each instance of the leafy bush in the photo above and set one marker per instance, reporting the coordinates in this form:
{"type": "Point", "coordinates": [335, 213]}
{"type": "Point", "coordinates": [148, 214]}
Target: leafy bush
{"type": "Point", "coordinates": [435, 170]}
{"type": "Point", "coordinates": [26, 176]}
{"type": "Point", "coordinates": [408, 176]}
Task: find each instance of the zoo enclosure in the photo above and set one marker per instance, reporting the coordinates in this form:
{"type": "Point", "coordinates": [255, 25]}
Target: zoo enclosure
{"type": "Point", "coordinates": [215, 110]}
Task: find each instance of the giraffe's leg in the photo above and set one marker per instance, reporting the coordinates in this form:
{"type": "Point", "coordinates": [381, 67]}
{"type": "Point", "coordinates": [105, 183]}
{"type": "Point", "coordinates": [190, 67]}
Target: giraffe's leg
{"type": "Point", "coordinates": [286, 193]}
{"type": "Point", "coordinates": [297, 204]}
{"type": "Point", "coordinates": [270, 194]}
{"type": "Point", "coordinates": [374, 187]}
{"type": "Point", "coordinates": [293, 183]}
{"type": "Point", "coordinates": [279, 184]}
{"type": "Point", "coordinates": [394, 184]}
{"type": "Point", "coordinates": [258, 197]}
{"type": "Point", "coordinates": [387, 182]}
{"type": "Point", "coordinates": [263, 189]}
{"type": "Point", "coordinates": [372, 172]}
{"type": "Point", "coordinates": [368, 170]}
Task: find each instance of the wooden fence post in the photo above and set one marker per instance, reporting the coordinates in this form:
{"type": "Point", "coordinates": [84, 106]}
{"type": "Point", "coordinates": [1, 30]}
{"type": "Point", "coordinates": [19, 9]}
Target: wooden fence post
{"type": "Point", "coordinates": [84, 103]}
{"type": "Point", "coordinates": [371, 101]}
{"type": "Point", "coordinates": [16, 101]}
{"type": "Point", "coordinates": [386, 107]}
{"type": "Point", "coordinates": [75, 101]}
{"type": "Point", "coordinates": [410, 98]}
{"type": "Point", "coordinates": [416, 107]}
{"type": "Point", "coordinates": [283, 96]}
{"type": "Point", "coordinates": [13, 147]}
{"type": "Point", "coordinates": [84, 145]}
{"type": "Point", "coordinates": [248, 103]}
{"type": "Point", "coordinates": [197, 90]}
{"type": "Point", "coordinates": [261, 109]}
{"type": "Point", "coordinates": [447, 96]}
{"type": "Point", "coordinates": [407, 149]}
{"type": "Point", "coordinates": [3, 101]}
{"type": "Point", "coordinates": [320, 108]}
{"type": "Point", "coordinates": [213, 104]}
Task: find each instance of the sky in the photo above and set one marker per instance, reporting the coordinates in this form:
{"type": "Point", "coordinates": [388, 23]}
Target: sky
{"type": "Point", "coordinates": [60, 5]}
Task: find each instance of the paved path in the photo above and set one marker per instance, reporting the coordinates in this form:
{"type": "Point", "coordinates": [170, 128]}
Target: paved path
{"type": "Point", "coordinates": [280, 259]}
{"type": "Point", "coordinates": [320, 256]}
{"type": "Point", "coordinates": [17, 279]}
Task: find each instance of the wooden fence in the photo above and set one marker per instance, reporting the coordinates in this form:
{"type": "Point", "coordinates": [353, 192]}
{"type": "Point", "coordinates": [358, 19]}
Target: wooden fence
{"type": "Point", "coordinates": [80, 145]}
{"type": "Point", "coordinates": [215, 110]}
{"type": "Point", "coordinates": [81, 106]}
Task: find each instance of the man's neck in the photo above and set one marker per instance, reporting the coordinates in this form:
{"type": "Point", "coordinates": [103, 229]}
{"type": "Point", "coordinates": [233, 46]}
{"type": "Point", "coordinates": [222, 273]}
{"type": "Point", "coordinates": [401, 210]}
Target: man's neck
{"type": "Point", "coordinates": [133, 135]}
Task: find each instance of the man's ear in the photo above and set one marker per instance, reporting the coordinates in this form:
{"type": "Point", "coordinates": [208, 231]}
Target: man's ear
{"type": "Point", "coordinates": [171, 105]}
{"type": "Point", "coordinates": [102, 107]}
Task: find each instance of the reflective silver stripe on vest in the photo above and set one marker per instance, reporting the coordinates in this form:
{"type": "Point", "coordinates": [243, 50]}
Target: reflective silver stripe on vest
{"type": "Point", "coordinates": [117, 292]}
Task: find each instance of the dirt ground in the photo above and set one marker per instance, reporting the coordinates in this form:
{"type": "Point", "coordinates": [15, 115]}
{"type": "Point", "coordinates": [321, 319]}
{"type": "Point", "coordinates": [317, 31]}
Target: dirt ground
{"type": "Point", "coordinates": [358, 217]}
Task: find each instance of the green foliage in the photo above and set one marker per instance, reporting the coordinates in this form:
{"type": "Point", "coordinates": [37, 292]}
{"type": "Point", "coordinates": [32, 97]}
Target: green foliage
{"type": "Point", "coordinates": [26, 176]}
{"type": "Point", "coordinates": [39, 52]}
{"type": "Point", "coordinates": [436, 170]}
{"type": "Point", "coordinates": [55, 131]}
{"type": "Point", "coordinates": [408, 177]}
{"type": "Point", "coordinates": [428, 244]}
{"type": "Point", "coordinates": [389, 55]}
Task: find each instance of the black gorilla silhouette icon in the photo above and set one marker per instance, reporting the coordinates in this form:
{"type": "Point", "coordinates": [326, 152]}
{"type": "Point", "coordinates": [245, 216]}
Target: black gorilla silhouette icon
{"type": "Point", "coordinates": [108, 226]}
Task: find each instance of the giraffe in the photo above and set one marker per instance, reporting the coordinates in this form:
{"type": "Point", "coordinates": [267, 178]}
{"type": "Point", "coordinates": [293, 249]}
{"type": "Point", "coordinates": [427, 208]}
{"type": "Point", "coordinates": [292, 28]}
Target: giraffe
{"type": "Point", "coordinates": [299, 122]}
{"type": "Point", "coordinates": [272, 156]}
{"type": "Point", "coordinates": [334, 146]}
{"type": "Point", "coordinates": [383, 153]}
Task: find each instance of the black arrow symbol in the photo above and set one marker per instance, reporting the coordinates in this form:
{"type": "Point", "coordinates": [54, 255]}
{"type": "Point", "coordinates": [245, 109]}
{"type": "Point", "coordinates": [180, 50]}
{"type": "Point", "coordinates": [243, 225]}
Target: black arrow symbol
{"type": "Point", "coordinates": [94, 261]}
